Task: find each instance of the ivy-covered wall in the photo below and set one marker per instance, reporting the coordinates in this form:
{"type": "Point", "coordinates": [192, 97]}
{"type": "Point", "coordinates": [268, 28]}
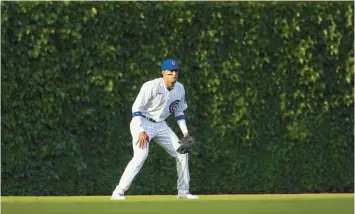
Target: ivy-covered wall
{"type": "Point", "coordinates": [269, 88]}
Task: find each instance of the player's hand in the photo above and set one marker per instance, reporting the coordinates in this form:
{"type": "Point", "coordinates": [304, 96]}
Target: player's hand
{"type": "Point", "coordinates": [186, 134]}
{"type": "Point", "coordinates": [143, 140]}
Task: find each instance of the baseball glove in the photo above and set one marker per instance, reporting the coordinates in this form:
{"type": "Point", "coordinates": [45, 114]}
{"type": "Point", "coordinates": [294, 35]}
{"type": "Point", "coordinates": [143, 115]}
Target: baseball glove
{"type": "Point", "coordinates": [187, 144]}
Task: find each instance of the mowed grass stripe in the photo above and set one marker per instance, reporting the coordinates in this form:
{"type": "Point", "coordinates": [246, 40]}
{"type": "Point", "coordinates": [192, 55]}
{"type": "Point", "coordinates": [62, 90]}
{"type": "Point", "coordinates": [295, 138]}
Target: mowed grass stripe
{"type": "Point", "coordinates": [207, 204]}
{"type": "Point", "coordinates": [76, 199]}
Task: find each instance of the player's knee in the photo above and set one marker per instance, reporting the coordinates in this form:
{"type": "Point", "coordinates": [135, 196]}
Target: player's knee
{"type": "Point", "coordinates": [139, 159]}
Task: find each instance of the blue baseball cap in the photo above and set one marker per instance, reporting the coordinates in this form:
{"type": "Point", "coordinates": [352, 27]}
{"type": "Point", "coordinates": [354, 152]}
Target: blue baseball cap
{"type": "Point", "coordinates": [170, 64]}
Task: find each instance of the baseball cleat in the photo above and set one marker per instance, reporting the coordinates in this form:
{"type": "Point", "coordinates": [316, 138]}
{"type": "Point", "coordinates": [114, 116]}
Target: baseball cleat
{"type": "Point", "coordinates": [118, 196]}
{"type": "Point", "coordinates": [187, 196]}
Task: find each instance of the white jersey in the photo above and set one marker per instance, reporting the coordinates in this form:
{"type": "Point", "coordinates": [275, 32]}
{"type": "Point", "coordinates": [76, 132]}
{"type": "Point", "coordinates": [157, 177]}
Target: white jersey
{"type": "Point", "coordinates": [155, 101]}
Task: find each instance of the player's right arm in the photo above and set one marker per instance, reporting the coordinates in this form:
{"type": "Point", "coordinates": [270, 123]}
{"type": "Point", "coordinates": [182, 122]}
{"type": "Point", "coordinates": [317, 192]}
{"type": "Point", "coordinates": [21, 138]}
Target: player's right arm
{"type": "Point", "coordinates": [139, 105]}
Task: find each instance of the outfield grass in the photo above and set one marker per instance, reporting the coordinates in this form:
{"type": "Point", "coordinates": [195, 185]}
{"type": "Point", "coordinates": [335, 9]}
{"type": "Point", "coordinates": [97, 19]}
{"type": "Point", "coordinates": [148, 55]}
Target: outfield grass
{"type": "Point", "coordinates": [207, 204]}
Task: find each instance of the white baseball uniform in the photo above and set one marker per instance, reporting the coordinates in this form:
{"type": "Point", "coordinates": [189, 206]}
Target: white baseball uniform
{"type": "Point", "coordinates": [152, 106]}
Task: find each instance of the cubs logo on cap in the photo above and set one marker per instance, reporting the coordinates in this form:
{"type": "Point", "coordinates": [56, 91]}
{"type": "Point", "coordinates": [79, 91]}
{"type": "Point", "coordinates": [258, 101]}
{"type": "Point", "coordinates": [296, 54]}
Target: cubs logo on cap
{"type": "Point", "coordinates": [170, 64]}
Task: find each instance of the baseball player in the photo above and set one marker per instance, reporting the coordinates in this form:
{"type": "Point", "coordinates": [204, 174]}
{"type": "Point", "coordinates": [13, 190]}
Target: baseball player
{"type": "Point", "coordinates": [157, 99]}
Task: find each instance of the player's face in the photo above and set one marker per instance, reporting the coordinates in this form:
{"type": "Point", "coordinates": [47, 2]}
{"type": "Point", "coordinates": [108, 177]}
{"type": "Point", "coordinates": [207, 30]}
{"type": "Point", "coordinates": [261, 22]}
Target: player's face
{"type": "Point", "coordinates": [171, 75]}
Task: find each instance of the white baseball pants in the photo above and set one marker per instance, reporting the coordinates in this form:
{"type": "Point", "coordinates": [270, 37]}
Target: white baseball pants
{"type": "Point", "coordinates": [166, 138]}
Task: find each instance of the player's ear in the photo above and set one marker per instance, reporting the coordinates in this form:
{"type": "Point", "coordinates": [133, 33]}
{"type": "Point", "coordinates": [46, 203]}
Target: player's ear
{"type": "Point", "coordinates": [162, 72]}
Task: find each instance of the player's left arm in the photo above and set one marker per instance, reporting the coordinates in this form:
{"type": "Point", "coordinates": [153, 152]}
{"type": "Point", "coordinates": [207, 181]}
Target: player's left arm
{"type": "Point", "coordinates": [180, 116]}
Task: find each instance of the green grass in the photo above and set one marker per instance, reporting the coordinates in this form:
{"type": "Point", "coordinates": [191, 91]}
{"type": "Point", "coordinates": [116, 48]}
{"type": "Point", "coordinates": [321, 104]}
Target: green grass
{"type": "Point", "coordinates": [214, 204]}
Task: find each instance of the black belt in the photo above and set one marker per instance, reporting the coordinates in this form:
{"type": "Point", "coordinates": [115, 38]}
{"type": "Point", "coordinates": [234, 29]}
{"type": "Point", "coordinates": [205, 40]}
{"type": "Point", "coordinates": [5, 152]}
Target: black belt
{"type": "Point", "coordinates": [148, 118]}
